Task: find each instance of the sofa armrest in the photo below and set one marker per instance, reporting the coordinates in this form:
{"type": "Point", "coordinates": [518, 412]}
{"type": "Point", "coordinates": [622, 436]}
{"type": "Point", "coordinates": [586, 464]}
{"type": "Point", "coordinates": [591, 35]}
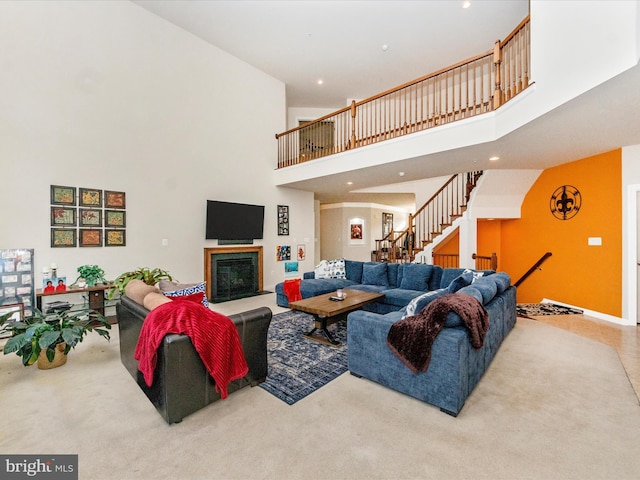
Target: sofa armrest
{"type": "Point", "coordinates": [445, 383]}
{"type": "Point", "coordinates": [308, 275]}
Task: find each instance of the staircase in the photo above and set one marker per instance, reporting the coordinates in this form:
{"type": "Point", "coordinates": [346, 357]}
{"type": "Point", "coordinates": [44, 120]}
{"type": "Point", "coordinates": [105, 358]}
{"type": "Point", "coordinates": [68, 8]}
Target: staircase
{"type": "Point", "coordinates": [430, 221]}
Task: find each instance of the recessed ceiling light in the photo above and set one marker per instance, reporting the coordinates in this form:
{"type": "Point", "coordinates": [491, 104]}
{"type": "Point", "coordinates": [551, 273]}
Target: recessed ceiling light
{"type": "Point", "coordinates": [385, 47]}
{"type": "Point", "coordinates": [320, 81]}
{"type": "Point", "coordinates": [494, 158]}
{"type": "Point", "coordinates": [349, 183]}
{"type": "Point", "coordinates": [401, 174]}
{"type": "Point", "coordinates": [466, 4]}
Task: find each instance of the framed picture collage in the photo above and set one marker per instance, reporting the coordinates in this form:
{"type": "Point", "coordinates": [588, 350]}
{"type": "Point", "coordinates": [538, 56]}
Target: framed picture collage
{"type": "Point", "coordinates": [87, 217]}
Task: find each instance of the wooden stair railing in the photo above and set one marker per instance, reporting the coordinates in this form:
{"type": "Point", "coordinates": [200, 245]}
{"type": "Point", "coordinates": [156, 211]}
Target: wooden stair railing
{"type": "Point", "coordinates": [484, 262]}
{"type": "Point", "coordinates": [430, 220]}
{"type": "Point", "coordinates": [446, 260]}
{"type": "Point", "coordinates": [535, 267]}
{"type": "Point", "coordinates": [472, 87]}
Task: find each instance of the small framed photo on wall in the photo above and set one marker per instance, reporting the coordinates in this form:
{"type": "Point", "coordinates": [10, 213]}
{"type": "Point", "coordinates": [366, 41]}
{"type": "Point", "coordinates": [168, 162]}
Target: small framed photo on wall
{"type": "Point", "coordinates": [115, 238]}
{"type": "Point", "coordinates": [63, 217]}
{"type": "Point", "coordinates": [283, 220]}
{"type": "Point", "coordinates": [90, 238]}
{"type": "Point", "coordinates": [63, 237]}
{"type": "Point", "coordinates": [90, 197]}
{"type": "Point", "coordinates": [63, 195]}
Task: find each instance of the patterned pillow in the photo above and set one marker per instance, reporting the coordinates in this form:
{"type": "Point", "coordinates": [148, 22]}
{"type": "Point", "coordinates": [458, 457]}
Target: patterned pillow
{"type": "Point", "coordinates": [330, 269]}
{"type": "Point", "coordinates": [337, 269]}
{"type": "Point", "coordinates": [180, 290]}
{"type": "Point", "coordinates": [416, 305]}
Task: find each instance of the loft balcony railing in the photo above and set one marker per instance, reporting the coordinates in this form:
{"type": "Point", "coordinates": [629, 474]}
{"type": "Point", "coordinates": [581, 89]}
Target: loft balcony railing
{"type": "Point", "coordinates": [478, 85]}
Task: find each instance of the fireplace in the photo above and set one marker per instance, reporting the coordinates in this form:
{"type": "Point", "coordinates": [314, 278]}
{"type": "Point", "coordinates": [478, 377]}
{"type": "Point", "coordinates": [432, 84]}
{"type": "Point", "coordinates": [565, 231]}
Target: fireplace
{"type": "Point", "coordinates": [233, 273]}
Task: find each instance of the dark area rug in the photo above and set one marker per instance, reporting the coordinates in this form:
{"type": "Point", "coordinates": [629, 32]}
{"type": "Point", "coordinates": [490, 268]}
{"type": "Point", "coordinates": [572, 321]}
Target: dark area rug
{"type": "Point", "coordinates": [530, 310]}
{"type": "Point", "coordinates": [299, 366]}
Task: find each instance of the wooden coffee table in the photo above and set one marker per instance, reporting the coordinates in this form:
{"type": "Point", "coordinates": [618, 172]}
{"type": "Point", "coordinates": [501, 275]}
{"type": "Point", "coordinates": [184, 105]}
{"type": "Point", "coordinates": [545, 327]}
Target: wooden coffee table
{"type": "Point", "coordinates": [324, 309]}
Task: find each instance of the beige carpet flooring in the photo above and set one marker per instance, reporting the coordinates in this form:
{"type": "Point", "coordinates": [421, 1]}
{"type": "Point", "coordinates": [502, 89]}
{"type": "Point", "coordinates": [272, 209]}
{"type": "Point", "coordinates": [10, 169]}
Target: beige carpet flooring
{"type": "Point", "coordinates": [553, 405]}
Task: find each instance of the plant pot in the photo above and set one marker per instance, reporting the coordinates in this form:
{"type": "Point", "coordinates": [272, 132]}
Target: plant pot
{"type": "Point", "coordinates": [59, 359]}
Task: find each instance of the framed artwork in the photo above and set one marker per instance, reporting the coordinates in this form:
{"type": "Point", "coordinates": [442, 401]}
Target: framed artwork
{"type": "Point", "coordinates": [63, 237]}
{"type": "Point", "coordinates": [63, 217]}
{"type": "Point", "coordinates": [17, 291]}
{"type": "Point", "coordinates": [115, 218]}
{"type": "Point", "coordinates": [290, 269]}
{"type": "Point", "coordinates": [356, 231]}
{"type": "Point", "coordinates": [115, 238]}
{"type": "Point", "coordinates": [283, 252]}
{"type": "Point", "coordinates": [63, 195]}
{"type": "Point", "coordinates": [17, 311]}
{"type": "Point", "coordinates": [114, 199]}
{"type": "Point", "coordinates": [90, 217]}
{"type": "Point", "coordinates": [283, 220]}
{"type": "Point", "coordinates": [90, 197]}
{"type": "Point", "coordinates": [56, 284]}
{"type": "Point", "coordinates": [90, 238]}
{"type": "Point", "coordinates": [302, 252]}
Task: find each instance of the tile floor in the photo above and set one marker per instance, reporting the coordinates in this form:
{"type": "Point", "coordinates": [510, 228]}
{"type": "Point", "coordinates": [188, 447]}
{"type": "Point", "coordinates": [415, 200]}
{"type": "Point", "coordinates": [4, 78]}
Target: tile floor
{"type": "Point", "coordinates": [625, 339]}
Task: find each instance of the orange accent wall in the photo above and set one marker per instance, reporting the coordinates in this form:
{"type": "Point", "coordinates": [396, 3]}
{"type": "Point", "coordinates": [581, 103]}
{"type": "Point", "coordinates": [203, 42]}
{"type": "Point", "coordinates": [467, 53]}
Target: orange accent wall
{"type": "Point", "coordinates": [450, 245]}
{"type": "Point", "coordinates": [577, 274]}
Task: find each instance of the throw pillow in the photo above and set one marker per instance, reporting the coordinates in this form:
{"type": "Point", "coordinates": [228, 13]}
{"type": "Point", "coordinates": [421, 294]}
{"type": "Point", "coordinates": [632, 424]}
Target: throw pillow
{"type": "Point", "coordinates": [415, 276]}
{"type": "Point", "coordinates": [194, 297]}
{"type": "Point", "coordinates": [337, 268]}
{"type": "Point", "coordinates": [180, 290]}
{"type": "Point", "coordinates": [375, 274]}
{"type": "Point", "coordinates": [476, 274]}
{"type": "Point", "coordinates": [418, 303]}
{"type": "Point", "coordinates": [321, 270]}
{"type": "Point", "coordinates": [460, 281]}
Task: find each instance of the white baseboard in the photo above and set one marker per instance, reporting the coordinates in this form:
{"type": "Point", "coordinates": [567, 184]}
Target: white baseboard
{"type": "Point", "coordinates": [593, 313]}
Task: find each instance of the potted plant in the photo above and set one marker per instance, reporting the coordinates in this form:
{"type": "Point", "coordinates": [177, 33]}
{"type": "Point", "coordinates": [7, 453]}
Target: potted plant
{"type": "Point", "coordinates": [92, 275]}
{"type": "Point", "coordinates": [147, 275]}
{"type": "Point", "coordinates": [48, 339]}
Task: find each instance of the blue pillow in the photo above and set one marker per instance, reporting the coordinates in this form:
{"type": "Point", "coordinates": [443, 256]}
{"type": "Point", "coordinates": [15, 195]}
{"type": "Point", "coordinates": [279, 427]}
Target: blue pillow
{"type": "Point", "coordinates": [415, 276]}
{"type": "Point", "coordinates": [375, 274]}
{"type": "Point", "coordinates": [460, 281]}
{"type": "Point", "coordinates": [487, 288]}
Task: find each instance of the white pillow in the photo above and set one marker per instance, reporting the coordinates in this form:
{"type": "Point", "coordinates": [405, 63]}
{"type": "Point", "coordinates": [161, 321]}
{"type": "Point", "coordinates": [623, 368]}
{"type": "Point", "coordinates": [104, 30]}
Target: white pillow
{"type": "Point", "coordinates": [322, 270]}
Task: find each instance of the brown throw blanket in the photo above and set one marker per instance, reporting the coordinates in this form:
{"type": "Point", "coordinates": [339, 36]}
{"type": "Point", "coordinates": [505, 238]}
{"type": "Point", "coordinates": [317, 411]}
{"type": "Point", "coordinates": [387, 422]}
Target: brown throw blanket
{"type": "Point", "coordinates": [411, 339]}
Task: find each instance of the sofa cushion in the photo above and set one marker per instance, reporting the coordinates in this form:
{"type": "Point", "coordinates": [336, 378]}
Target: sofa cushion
{"type": "Point", "coordinates": [354, 270]}
{"type": "Point", "coordinates": [320, 286]}
{"type": "Point", "coordinates": [174, 289]}
{"type": "Point", "coordinates": [415, 276]}
{"type": "Point", "coordinates": [503, 281]}
{"type": "Point", "coordinates": [487, 288]}
{"type": "Point", "coordinates": [449, 274]}
{"type": "Point", "coordinates": [375, 274]}
{"type": "Point", "coordinates": [400, 297]}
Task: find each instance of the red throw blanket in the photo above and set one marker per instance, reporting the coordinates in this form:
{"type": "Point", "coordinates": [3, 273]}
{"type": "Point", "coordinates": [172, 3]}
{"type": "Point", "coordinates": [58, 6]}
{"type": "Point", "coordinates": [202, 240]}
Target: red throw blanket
{"type": "Point", "coordinates": [292, 290]}
{"type": "Point", "coordinates": [213, 335]}
{"type": "Point", "coordinates": [411, 338]}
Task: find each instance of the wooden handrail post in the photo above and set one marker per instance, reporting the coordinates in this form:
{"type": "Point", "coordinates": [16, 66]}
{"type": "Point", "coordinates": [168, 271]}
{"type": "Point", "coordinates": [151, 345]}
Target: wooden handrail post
{"type": "Point", "coordinates": [352, 141]}
{"type": "Point", "coordinates": [494, 261]}
{"type": "Point", "coordinates": [497, 60]}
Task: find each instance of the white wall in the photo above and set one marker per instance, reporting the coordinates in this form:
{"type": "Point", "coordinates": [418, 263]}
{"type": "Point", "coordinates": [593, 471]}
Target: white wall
{"type": "Point", "coordinates": [107, 95]}
{"type": "Point", "coordinates": [630, 214]}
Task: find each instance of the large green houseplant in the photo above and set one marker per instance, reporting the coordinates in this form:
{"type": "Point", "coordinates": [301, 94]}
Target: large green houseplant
{"type": "Point", "coordinates": [147, 275]}
{"type": "Point", "coordinates": [46, 333]}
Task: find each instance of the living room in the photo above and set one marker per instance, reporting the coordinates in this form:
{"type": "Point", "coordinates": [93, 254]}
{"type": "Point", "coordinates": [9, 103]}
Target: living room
{"type": "Point", "coordinates": [106, 95]}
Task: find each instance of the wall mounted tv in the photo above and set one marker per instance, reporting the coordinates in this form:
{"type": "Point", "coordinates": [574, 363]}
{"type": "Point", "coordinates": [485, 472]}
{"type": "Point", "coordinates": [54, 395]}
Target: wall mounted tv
{"type": "Point", "coordinates": [234, 221]}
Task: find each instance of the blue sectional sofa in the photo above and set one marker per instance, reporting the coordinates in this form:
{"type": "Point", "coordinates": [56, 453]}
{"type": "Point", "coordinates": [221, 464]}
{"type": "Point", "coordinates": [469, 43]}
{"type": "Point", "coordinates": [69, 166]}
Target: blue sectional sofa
{"type": "Point", "coordinates": [400, 282]}
{"type": "Point", "coordinates": [455, 367]}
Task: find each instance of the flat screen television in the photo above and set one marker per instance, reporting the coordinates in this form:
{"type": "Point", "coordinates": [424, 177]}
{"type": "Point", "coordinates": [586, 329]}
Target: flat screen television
{"type": "Point", "coordinates": [234, 221]}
